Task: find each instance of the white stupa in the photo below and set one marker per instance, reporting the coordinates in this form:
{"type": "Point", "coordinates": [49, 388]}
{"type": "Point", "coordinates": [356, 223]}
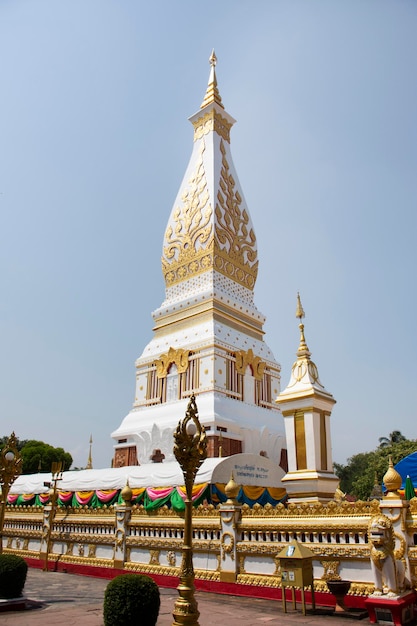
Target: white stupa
{"type": "Point", "coordinates": [208, 334]}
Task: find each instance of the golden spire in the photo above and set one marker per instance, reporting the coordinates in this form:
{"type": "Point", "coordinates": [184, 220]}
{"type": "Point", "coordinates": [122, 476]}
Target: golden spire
{"type": "Point", "coordinates": [212, 93]}
{"type": "Point", "coordinates": [127, 493]}
{"type": "Point", "coordinates": [392, 480]}
{"type": "Point", "coordinates": [90, 458]}
{"type": "Point", "coordinates": [232, 490]}
{"type": "Point", "coordinates": [302, 348]}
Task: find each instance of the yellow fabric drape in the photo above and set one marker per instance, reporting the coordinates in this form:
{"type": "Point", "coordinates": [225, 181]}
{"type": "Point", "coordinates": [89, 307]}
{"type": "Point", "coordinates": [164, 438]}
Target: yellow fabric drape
{"type": "Point", "coordinates": [277, 492]}
{"type": "Point", "coordinates": [196, 488]}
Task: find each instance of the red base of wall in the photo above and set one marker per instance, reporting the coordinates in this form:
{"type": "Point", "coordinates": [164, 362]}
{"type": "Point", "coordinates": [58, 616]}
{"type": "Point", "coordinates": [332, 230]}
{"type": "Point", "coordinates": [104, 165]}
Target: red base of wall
{"type": "Point", "coordinates": [399, 610]}
{"type": "Point", "coordinates": [232, 589]}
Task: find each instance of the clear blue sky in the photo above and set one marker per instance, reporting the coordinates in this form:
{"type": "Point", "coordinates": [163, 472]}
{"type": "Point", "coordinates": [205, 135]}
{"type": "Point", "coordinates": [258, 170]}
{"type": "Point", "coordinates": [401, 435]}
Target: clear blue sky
{"type": "Point", "coordinates": [94, 141]}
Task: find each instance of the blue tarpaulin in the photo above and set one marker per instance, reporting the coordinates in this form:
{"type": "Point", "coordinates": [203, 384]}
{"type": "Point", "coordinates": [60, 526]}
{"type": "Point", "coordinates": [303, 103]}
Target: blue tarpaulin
{"type": "Point", "coordinates": [408, 467]}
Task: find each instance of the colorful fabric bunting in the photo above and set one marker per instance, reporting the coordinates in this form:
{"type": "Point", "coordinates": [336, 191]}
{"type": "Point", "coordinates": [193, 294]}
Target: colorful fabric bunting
{"type": "Point", "coordinates": [250, 495]}
{"type": "Point", "coordinates": [153, 498]}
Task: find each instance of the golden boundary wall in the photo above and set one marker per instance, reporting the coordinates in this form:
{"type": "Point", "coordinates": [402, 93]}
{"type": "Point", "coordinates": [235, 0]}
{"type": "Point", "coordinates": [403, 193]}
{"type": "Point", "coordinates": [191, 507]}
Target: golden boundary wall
{"type": "Point", "coordinates": [235, 547]}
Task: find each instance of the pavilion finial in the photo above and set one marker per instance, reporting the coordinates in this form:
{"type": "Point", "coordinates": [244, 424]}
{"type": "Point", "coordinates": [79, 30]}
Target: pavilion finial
{"type": "Point", "coordinates": [302, 348]}
{"type": "Point", "coordinates": [299, 311]}
{"type": "Point", "coordinates": [212, 92]}
{"type": "Point", "coordinates": [213, 58]}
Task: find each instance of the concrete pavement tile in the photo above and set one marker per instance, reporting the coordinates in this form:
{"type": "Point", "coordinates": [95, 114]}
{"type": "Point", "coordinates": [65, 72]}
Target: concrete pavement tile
{"type": "Point", "coordinates": [69, 599]}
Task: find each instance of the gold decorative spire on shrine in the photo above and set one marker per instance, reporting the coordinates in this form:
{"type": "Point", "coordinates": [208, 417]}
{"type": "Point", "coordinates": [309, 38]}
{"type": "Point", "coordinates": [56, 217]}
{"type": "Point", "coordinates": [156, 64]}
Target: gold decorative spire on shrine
{"type": "Point", "coordinates": [232, 490]}
{"type": "Point", "coordinates": [392, 480]}
{"type": "Point", "coordinates": [127, 493]}
{"type": "Point", "coordinates": [212, 93]}
{"type": "Point", "coordinates": [90, 457]}
{"type": "Point", "coordinates": [303, 350]}
{"type": "Point", "coordinates": [304, 373]}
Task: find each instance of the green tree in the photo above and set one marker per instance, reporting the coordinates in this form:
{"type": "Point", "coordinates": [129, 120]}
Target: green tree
{"type": "Point", "coordinates": [356, 466]}
{"type": "Point", "coordinates": [38, 455]}
{"type": "Point", "coordinates": [357, 477]}
{"type": "Point", "coordinates": [395, 437]}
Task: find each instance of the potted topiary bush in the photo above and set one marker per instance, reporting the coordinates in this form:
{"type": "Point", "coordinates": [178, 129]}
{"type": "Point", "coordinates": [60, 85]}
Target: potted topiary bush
{"type": "Point", "coordinates": [13, 570]}
{"type": "Point", "coordinates": [131, 599]}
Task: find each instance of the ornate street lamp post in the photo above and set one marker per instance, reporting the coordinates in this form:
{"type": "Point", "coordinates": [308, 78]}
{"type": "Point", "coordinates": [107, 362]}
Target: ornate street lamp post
{"type": "Point", "coordinates": [190, 449]}
{"type": "Point", "coordinates": [56, 472]}
{"type": "Point", "coordinates": [10, 469]}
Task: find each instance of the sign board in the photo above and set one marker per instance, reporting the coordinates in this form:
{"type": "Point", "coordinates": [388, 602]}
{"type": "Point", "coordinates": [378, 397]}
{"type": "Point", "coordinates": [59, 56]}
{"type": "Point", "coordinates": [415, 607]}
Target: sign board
{"type": "Point", "coordinates": [249, 469]}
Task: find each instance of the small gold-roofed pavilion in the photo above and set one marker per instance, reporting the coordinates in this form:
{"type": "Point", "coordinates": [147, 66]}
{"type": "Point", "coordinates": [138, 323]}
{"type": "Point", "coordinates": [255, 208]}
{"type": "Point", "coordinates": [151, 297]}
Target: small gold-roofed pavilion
{"type": "Point", "coordinates": [306, 407]}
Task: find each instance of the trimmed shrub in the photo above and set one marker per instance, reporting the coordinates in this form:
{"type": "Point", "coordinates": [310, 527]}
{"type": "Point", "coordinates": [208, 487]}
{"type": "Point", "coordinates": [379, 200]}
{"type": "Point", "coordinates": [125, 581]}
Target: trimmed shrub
{"type": "Point", "coordinates": [13, 570]}
{"type": "Point", "coordinates": [130, 600]}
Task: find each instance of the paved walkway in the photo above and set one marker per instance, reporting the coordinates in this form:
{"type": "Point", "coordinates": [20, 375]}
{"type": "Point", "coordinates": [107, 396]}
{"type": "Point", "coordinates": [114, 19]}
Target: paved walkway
{"type": "Point", "coordinates": [68, 599]}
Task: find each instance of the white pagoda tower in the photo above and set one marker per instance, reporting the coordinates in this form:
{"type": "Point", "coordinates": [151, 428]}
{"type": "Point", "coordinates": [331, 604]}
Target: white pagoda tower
{"type": "Point", "coordinates": [208, 333]}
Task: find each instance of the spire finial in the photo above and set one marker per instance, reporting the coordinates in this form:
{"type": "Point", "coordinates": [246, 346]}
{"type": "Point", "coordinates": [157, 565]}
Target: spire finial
{"type": "Point", "coordinates": [90, 457]}
{"type": "Point", "coordinates": [299, 311]}
{"type": "Point", "coordinates": [302, 348]}
{"type": "Point", "coordinates": [212, 93]}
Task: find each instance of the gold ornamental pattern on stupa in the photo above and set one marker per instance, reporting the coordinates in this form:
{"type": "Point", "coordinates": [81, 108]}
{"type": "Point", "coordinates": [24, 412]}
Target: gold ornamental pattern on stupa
{"type": "Point", "coordinates": [202, 240]}
{"type": "Point", "coordinates": [212, 121]}
{"type": "Point", "coordinates": [247, 358]}
{"type": "Point", "coordinates": [177, 356]}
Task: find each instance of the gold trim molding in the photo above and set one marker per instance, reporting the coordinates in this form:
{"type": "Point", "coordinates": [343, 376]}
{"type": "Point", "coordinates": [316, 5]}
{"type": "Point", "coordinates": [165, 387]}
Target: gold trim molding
{"type": "Point", "coordinates": [212, 121]}
{"type": "Point", "coordinates": [312, 510]}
